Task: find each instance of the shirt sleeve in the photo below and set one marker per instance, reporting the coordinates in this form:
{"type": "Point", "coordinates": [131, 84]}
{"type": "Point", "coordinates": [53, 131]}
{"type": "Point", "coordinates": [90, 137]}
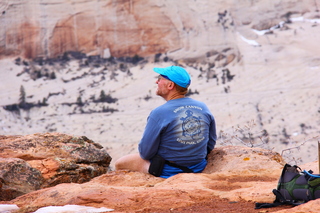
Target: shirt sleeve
{"type": "Point", "coordinates": [150, 141]}
{"type": "Point", "coordinates": [212, 135]}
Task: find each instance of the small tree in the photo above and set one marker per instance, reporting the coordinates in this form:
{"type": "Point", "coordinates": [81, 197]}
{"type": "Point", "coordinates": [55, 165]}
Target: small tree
{"type": "Point", "coordinates": [79, 101]}
{"type": "Point", "coordinates": [22, 98]}
{"type": "Point", "coordinates": [53, 75]}
{"type": "Point", "coordinates": [44, 102]}
{"type": "Point", "coordinates": [103, 96]}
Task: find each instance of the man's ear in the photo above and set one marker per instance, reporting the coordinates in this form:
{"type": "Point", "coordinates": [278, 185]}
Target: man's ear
{"type": "Point", "coordinates": [170, 85]}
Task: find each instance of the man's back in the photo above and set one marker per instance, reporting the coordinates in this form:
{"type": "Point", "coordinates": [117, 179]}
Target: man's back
{"type": "Point", "coordinates": [180, 131]}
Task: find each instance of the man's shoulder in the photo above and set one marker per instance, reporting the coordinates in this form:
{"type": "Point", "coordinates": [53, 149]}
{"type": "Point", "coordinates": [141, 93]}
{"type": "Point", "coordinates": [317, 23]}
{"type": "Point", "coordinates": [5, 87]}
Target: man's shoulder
{"type": "Point", "coordinates": [160, 108]}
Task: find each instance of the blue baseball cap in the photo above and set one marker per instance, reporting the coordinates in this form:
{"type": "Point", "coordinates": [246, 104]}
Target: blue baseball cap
{"type": "Point", "coordinates": [176, 74]}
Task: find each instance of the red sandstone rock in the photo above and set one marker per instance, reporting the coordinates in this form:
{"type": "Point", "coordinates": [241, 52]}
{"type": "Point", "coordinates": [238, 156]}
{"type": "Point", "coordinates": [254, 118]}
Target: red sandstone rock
{"type": "Point", "coordinates": [235, 175]}
{"type": "Point", "coordinates": [228, 176]}
{"type": "Point", "coordinates": [17, 177]}
{"type": "Point", "coordinates": [37, 161]}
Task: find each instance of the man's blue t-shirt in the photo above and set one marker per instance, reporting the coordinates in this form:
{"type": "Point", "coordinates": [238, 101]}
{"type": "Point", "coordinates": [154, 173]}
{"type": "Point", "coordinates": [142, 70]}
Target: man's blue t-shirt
{"type": "Point", "coordinates": [180, 130]}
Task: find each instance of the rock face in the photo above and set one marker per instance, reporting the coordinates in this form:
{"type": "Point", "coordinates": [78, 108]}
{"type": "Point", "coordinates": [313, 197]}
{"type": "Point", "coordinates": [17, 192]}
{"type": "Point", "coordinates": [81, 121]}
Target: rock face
{"type": "Point", "coordinates": [233, 173]}
{"type": "Point", "coordinates": [101, 27]}
{"type": "Point", "coordinates": [246, 159]}
{"type": "Point", "coordinates": [125, 28]}
{"type": "Point", "coordinates": [37, 161]}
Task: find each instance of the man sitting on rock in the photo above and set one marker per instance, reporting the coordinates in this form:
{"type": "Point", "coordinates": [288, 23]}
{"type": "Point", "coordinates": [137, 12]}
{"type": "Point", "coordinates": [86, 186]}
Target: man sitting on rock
{"type": "Point", "coordinates": [179, 134]}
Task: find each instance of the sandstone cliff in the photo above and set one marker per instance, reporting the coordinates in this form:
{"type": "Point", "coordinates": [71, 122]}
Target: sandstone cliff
{"type": "Point", "coordinates": [186, 29]}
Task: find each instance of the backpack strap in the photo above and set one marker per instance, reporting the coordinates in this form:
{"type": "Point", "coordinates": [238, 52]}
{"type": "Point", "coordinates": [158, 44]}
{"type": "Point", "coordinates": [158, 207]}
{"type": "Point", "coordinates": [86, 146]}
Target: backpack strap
{"type": "Point", "coordinates": [183, 168]}
{"type": "Point", "coordinates": [277, 202]}
{"type": "Point", "coordinates": [280, 200]}
{"type": "Point", "coordinates": [267, 205]}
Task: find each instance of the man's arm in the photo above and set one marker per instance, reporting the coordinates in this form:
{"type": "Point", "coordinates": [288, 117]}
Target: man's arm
{"type": "Point", "coordinates": [212, 136]}
{"type": "Point", "coordinates": [149, 144]}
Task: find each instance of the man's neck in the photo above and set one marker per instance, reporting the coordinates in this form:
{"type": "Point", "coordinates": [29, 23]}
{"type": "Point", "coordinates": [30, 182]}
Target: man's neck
{"type": "Point", "coordinates": [174, 96]}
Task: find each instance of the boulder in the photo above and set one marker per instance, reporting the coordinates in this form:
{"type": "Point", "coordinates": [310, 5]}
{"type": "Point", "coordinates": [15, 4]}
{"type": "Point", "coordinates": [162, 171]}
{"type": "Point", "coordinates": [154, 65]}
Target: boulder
{"type": "Point", "coordinates": [17, 177]}
{"type": "Point", "coordinates": [38, 161]}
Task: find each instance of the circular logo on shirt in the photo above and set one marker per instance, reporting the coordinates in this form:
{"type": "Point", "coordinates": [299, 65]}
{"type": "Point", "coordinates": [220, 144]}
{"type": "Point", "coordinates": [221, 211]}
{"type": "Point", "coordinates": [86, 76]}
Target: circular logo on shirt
{"type": "Point", "coordinates": [191, 124]}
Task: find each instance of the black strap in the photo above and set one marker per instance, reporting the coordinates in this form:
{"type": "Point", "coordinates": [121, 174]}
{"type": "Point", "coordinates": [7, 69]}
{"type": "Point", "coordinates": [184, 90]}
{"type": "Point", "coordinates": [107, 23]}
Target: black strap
{"type": "Point", "coordinates": [280, 200]}
{"type": "Point", "coordinates": [279, 197]}
{"type": "Point", "coordinates": [183, 168]}
{"type": "Point", "coordinates": [267, 205]}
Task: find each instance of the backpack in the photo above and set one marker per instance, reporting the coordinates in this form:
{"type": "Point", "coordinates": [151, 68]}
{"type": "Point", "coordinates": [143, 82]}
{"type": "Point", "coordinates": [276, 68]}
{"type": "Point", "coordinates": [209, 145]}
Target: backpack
{"type": "Point", "coordinates": [295, 187]}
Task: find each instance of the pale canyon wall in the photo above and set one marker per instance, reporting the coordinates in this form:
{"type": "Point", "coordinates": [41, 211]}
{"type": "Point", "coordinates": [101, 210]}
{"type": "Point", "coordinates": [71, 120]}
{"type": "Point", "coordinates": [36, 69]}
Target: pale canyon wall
{"type": "Point", "coordinates": [250, 60]}
{"type": "Point", "coordinates": [48, 28]}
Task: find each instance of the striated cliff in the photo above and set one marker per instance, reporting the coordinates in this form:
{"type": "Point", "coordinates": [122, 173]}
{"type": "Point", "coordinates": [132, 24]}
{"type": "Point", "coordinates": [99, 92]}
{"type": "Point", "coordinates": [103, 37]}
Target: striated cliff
{"type": "Point", "coordinates": [185, 29]}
